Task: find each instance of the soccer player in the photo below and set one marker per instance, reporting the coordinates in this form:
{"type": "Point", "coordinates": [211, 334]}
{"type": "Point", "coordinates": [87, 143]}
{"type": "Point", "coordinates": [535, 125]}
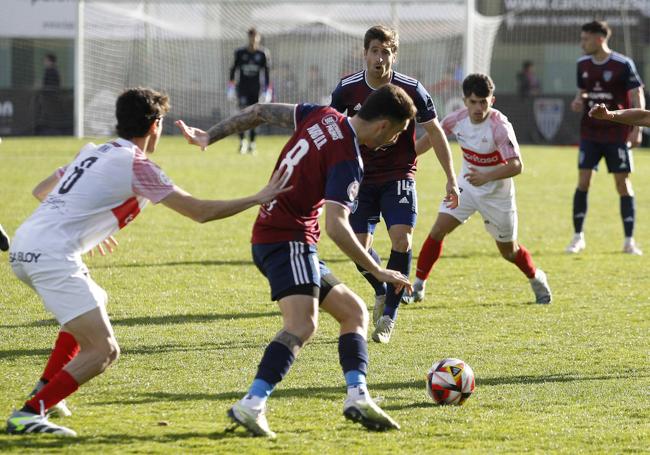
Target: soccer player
{"type": "Point", "coordinates": [388, 187]}
{"type": "Point", "coordinates": [324, 168]}
{"type": "Point", "coordinates": [250, 60]}
{"type": "Point", "coordinates": [605, 76]}
{"type": "Point", "coordinates": [100, 191]}
{"type": "Point", "coordinates": [491, 158]}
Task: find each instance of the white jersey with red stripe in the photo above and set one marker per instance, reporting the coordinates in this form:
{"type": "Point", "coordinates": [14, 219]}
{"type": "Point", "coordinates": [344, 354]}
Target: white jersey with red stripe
{"type": "Point", "coordinates": [99, 192]}
{"type": "Point", "coordinates": [484, 146]}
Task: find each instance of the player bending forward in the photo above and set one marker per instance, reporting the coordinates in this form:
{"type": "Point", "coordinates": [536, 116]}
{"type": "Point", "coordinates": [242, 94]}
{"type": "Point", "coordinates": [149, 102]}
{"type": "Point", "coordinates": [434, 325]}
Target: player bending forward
{"type": "Point", "coordinates": [323, 166]}
{"type": "Point", "coordinates": [490, 159]}
{"type": "Point", "coordinates": [83, 203]}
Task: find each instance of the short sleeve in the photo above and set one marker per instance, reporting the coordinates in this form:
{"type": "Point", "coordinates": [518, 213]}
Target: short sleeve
{"type": "Point", "coordinates": [448, 124]}
{"type": "Point", "coordinates": [338, 102]}
{"type": "Point", "coordinates": [343, 181]}
{"type": "Point", "coordinates": [149, 181]}
{"type": "Point", "coordinates": [302, 111]}
{"type": "Point", "coordinates": [632, 80]}
{"type": "Point", "coordinates": [504, 138]}
{"type": "Point", "coordinates": [424, 104]}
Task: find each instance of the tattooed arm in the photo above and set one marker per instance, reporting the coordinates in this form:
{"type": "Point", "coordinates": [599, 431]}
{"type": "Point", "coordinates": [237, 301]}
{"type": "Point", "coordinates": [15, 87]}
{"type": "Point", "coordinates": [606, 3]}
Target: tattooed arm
{"type": "Point", "coordinates": [276, 114]}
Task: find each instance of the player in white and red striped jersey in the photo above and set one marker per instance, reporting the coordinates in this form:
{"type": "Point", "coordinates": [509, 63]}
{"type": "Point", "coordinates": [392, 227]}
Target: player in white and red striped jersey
{"type": "Point", "coordinates": [99, 192]}
{"type": "Point", "coordinates": [491, 158]}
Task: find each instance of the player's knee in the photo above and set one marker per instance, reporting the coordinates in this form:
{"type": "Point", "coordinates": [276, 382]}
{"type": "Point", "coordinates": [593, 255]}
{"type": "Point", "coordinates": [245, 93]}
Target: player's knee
{"type": "Point", "coordinates": [401, 243]}
{"type": "Point", "coordinates": [291, 341]}
{"type": "Point", "coordinates": [624, 187]}
{"type": "Point", "coordinates": [437, 233]}
{"type": "Point", "coordinates": [357, 315]}
{"type": "Point", "coordinates": [107, 354]}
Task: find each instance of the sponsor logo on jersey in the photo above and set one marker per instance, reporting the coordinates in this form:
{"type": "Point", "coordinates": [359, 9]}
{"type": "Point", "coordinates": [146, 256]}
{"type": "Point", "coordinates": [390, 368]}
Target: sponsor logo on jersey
{"type": "Point", "coordinates": [483, 159]}
{"type": "Point", "coordinates": [549, 113]}
{"type": "Point", "coordinates": [329, 121]}
{"type": "Point", "coordinates": [27, 257]}
{"type": "Point", "coordinates": [317, 136]}
{"type": "Point", "coordinates": [353, 191]}
{"type": "Point", "coordinates": [357, 107]}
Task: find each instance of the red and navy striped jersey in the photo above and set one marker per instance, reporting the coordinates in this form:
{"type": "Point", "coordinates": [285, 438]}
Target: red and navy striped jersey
{"type": "Point", "coordinates": [398, 161]}
{"type": "Point", "coordinates": [607, 82]}
{"type": "Point", "coordinates": [324, 163]}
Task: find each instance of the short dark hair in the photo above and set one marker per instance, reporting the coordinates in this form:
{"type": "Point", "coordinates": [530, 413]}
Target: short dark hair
{"type": "Point", "coordinates": [598, 27]}
{"type": "Point", "coordinates": [252, 31]}
{"type": "Point", "coordinates": [51, 57]}
{"type": "Point", "coordinates": [479, 84]}
{"type": "Point", "coordinates": [136, 109]}
{"type": "Point", "coordinates": [385, 35]}
{"type": "Point", "coordinates": [388, 102]}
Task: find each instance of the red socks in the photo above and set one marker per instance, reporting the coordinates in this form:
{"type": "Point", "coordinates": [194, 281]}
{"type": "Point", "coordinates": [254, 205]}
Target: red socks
{"type": "Point", "coordinates": [429, 255]}
{"type": "Point", "coordinates": [59, 387]}
{"type": "Point", "coordinates": [65, 348]}
{"type": "Point", "coordinates": [524, 261]}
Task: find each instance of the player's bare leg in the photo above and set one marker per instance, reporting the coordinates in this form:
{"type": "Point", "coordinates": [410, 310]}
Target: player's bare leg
{"type": "Point", "coordinates": [578, 243]}
{"type": "Point", "coordinates": [401, 237]}
{"type": "Point", "coordinates": [366, 240]}
{"type": "Point", "coordinates": [519, 255]}
{"type": "Point", "coordinates": [626, 193]}
{"type": "Point", "coordinates": [430, 253]}
{"type": "Point", "coordinates": [351, 313]}
{"type": "Point", "coordinates": [98, 349]}
{"type": "Point", "coordinates": [300, 321]}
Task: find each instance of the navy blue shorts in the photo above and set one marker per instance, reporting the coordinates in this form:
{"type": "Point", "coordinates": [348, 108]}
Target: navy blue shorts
{"type": "Point", "coordinates": [395, 201]}
{"type": "Point", "coordinates": [290, 267]}
{"type": "Point", "coordinates": [617, 156]}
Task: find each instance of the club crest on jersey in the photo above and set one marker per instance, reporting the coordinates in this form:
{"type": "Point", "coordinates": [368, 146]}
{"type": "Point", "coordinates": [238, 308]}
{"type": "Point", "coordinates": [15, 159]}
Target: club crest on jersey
{"type": "Point", "coordinates": [164, 179]}
{"type": "Point", "coordinates": [585, 75]}
{"type": "Point", "coordinates": [353, 191]}
{"type": "Point", "coordinates": [607, 75]}
{"type": "Point", "coordinates": [549, 113]}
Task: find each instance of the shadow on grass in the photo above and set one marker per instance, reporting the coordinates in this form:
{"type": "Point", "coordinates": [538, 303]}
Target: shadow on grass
{"type": "Point", "coordinates": [42, 441]}
{"type": "Point", "coordinates": [204, 263]}
{"type": "Point", "coordinates": [165, 319]}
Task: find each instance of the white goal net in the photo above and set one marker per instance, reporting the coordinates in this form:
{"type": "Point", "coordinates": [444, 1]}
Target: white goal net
{"type": "Point", "coordinates": [185, 48]}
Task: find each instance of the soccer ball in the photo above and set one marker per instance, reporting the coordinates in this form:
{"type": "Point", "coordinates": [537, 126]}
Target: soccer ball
{"type": "Point", "coordinates": [450, 381]}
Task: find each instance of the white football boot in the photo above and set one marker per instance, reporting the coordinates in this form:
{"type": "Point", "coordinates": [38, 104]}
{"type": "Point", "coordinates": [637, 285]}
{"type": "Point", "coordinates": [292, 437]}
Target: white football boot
{"type": "Point", "coordinates": [20, 422]}
{"type": "Point", "coordinates": [540, 287]}
{"type": "Point", "coordinates": [630, 247]}
{"type": "Point", "coordinates": [383, 330]}
{"type": "Point", "coordinates": [577, 244]}
{"type": "Point", "coordinates": [360, 408]}
{"type": "Point", "coordinates": [378, 309]}
{"type": "Point", "coordinates": [253, 419]}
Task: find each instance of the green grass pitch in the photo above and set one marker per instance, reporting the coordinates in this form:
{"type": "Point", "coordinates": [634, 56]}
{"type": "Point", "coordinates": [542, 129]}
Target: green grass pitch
{"type": "Point", "coordinates": [192, 315]}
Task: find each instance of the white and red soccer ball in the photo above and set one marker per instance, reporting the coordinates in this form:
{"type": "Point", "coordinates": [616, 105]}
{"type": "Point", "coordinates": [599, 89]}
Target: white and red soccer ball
{"type": "Point", "coordinates": [450, 381]}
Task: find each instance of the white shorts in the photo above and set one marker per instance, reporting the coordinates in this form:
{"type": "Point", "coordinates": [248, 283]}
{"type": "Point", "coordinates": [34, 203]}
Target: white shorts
{"type": "Point", "coordinates": [64, 285]}
{"type": "Point", "coordinates": [499, 214]}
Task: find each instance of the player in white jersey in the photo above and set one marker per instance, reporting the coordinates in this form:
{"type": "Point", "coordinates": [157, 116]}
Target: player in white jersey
{"type": "Point", "coordinates": [99, 192]}
{"type": "Point", "coordinates": [490, 159]}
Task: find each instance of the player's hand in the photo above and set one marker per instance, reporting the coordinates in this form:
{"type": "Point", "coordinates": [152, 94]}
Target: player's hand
{"type": "Point", "coordinates": [635, 137]}
{"type": "Point", "coordinates": [230, 92]}
{"type": "Point", "coordinates": [274, 187]}
{"type": "Point", "coordinates": [599, 111]}
{"type": "Point", "coordinates": [453, 194]}
{"type": "Point", "coordinates": [475, 177]}
{"type": "Point", "coordinates": [397, 279]}
{"type": "Point", "coordinates": [577, 105]}
{"type": "Point", "coordinates": [110, 243]}
{"type": "Point", "coordinates": [193, 135]}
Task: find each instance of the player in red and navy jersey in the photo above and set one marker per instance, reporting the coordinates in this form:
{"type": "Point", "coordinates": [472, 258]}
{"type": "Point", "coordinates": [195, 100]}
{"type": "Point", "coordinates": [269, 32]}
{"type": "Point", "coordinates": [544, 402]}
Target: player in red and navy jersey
{"type": "Point", "coordinates": [323, 168]}
{"type": "Point", "coordinates": [609, 78]}
{"type": "Point", "coordinates": [388, 188]}
{"type": "Point", "coordinates": [249, 62]}
{"type": "Point", "coordinates": [99, 192]}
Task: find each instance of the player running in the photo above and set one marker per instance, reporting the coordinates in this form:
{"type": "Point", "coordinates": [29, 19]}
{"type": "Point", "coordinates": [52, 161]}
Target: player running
{"type": "Point", "coordinates": [250, 60]}
{"type": "Point", "coordinates": [388, 187]}
{"type": "Point", "coordinates": [605, 77]}
{"type": "Point", "coordinates": [323, 166]}
{"type": "Point", "coordinates": [102, 190]}
{"type": "Point", "coordinates": [491, 158]}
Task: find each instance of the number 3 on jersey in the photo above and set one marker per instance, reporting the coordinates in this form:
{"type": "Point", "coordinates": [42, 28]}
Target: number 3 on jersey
{"type": "Point", "coordinates": [76, 174]}
{"type": "Point", "coordinates": [290, 161]}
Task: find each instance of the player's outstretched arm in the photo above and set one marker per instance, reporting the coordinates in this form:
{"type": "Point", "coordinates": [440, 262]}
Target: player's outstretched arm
{"type": "Point", "coordinates": [339, 230]}
{"type": "Point", "coordinates": [438, 139]}
{"type": "Point", "coordinates": [203, 211]}
{"type": "Point", "coordinates": [276, 114]}
{"type": "Point", "coordinates": [635, 116]}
